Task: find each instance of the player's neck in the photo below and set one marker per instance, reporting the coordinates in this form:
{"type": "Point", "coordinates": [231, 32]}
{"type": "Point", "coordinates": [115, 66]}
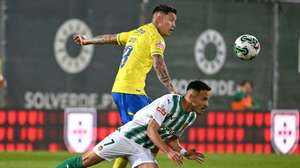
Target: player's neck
{"type": "Point", "coordinates": [186, 105]}
{"type": "Point", "coordinates": [157, 28]}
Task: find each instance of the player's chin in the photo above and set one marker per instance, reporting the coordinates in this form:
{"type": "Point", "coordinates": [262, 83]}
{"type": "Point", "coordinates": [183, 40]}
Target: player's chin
{"type": "Point", "coordinates": [167, 33]}
{"type": "Point", "coordinates": [200, 111]}
{"type": "Point", "coordinates": [170, 32]}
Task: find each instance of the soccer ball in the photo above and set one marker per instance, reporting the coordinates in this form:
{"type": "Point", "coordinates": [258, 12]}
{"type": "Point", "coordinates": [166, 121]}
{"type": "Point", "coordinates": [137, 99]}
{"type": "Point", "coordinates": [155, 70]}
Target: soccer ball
{"type": "Point", "coordinates": [246, 47]}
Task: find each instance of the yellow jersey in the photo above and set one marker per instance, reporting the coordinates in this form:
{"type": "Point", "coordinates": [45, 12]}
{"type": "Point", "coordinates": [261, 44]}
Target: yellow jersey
{"type": "Point", "coordinates": [140, 45]}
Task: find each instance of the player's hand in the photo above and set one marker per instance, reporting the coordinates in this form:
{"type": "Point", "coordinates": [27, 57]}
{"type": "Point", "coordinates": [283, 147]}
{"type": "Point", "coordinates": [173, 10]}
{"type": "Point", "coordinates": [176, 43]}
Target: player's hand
{"type": "Point", "coordinates": [173, 92]}
{"type": "Point", "coordinates": [195, 155]}
{"type": "Point", "coordinates": [175, 157]}
{"type": "Point", "coordinates": [78, 39]}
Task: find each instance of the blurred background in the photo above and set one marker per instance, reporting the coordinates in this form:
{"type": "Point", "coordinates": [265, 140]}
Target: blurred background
{"type": "Point", "coordinates": [47, 73]}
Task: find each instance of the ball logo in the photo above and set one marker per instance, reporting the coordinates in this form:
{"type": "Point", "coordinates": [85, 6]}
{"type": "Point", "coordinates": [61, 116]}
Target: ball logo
{"type": "Point", "coordinates": [72, 63]}
{"type": "Point", "coordinates": [210, 66]}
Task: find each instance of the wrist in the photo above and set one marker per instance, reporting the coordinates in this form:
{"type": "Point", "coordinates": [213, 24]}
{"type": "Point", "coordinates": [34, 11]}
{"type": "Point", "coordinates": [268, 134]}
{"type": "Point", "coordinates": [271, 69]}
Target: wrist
{"type": "Point", "coordinates": [86, 42]}
{"type": "Point", "coordinates": [169, 149]}
{"type": "Point", "coordinates": [182, 152]}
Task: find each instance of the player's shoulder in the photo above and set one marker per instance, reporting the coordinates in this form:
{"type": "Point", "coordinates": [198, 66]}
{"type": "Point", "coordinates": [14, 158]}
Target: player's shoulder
{"type": "Point", "coordinates": [152, 31]}
{"type": "Point", "coordinates": [169, 98]}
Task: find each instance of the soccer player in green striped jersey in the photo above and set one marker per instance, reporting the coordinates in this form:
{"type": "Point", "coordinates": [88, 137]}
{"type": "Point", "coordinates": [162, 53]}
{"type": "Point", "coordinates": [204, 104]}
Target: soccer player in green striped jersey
{"type": "Point", "coordinates": [159, 124]}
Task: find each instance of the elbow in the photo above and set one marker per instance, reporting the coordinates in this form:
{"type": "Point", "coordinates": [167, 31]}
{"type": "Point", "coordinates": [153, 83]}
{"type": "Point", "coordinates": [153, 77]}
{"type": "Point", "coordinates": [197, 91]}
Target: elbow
{"type": "Point", "coordinates": [156, 68]}
{"type": "Point", "coordinates": [149, 132]}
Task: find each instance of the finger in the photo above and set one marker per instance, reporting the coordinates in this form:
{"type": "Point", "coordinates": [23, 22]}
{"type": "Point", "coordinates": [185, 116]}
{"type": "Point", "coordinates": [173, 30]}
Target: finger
{"type": "Point", "coordinates": [178, 159]}
{"type": "Point", "coordinates": [200, 157]}
{"type": "Point", "coordinates": [76, 36]}
{"type": "Point", "coordinates": [177, 162]}
{"type": "Point", "coordinates": [78, 40]}
{"type": "Point", "coordinates": [199, 160]}
{"type": "Point", "coordinates": [200, 154]}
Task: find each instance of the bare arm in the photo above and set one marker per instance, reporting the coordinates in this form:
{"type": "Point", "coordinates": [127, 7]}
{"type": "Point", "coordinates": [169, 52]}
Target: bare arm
{"type": "Point", "coordinates": [162, 72]}
{"type": "Point", "coordinates": [101, 39]}
{"type": "Point", "coordinates": [152, 132]}
{"type": "Point", "coordinates": [174, 143]}
{"type": "Point", "coordinates": [191, 154]}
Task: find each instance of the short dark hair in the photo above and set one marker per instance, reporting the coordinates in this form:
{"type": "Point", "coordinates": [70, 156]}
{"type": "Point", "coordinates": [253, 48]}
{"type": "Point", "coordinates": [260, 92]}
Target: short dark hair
{"type": "Point", "coordinates": [243, 83]}
{"type": "Point", "coordinates": [198, 86]}
{"type": "Point", "coordinates": [165, 9]}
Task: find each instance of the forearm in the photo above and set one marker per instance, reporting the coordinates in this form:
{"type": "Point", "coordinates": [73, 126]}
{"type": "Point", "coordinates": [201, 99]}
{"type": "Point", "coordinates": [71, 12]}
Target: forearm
{"type": "Point", "coordinates": [174, 144]}
{"type": "Point", "coordinates": [102, 39]}
{"type": "Point", "coordinates": [163, 74]}
{"type": "Point", "coordinates": [155, 138]}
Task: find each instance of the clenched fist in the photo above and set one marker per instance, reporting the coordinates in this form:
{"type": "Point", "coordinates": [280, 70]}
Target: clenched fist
{"type": "Point", "coordinates": [78, 39]}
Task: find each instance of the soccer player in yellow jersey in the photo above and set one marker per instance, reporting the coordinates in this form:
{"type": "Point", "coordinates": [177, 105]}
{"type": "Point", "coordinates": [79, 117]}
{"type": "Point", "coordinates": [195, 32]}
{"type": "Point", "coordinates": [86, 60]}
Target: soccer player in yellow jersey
{"type": "Point", "coordinates": [143, 48]}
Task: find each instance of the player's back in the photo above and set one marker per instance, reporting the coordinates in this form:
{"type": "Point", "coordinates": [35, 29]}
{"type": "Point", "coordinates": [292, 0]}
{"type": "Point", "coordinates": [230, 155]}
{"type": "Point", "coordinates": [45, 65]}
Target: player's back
{"type": "Point", "coordinates": [140, 45]}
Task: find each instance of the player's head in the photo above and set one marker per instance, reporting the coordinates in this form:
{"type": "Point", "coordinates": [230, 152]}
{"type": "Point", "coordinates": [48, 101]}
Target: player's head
{"type": "Point", "coordinates": [197, 94]}
{"type": "Point", "coordinates": [164, 18]}
{"type": "Point", "coordinates": [246, 86]}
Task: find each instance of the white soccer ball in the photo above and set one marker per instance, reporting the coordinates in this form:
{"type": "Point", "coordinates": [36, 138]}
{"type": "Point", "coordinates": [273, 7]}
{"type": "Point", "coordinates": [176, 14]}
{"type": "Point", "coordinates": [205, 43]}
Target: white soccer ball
{"type": "Point", "coordinates": [246, 47]}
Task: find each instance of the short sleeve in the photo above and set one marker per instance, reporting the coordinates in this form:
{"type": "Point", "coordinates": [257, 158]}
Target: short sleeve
{"type": "Point", "coordinates": [162, 109]}
{"type": "Point", "coordinates": [157, 46]}
{"type": "Point", "coordinates": [191, 121]}
{"type": "Point", "coordinates": [122, 38]}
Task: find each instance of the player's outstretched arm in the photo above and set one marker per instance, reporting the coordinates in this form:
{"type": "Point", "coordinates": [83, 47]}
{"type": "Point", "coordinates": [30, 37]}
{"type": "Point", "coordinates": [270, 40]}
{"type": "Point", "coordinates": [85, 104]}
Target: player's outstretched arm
{"type": "Point", "coordinates": [101, 39]}
{"type": "Point", "coordinates": [152, 132]}
{"type": "Point", "coordinates": [162, 72]}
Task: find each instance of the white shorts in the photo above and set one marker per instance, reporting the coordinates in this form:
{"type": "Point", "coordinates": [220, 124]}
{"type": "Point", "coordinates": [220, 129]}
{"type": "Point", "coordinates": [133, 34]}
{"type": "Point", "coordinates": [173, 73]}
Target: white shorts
{"type": "Point", "coordinates": [116, 145]}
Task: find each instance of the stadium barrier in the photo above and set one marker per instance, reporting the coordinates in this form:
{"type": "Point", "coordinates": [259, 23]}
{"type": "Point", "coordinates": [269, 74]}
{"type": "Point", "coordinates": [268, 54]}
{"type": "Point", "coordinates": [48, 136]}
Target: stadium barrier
{"type": "Point", "coordinates": [213, 132]}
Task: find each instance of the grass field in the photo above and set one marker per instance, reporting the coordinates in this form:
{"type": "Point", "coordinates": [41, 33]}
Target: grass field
{"type": "Point", "coordinates": [47, 160]}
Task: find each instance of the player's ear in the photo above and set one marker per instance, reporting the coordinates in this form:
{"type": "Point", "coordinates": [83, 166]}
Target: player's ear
{"type": "Point", "coordinates": [159, 17]}
{"type": "Point", "coordinates": [190, 94]}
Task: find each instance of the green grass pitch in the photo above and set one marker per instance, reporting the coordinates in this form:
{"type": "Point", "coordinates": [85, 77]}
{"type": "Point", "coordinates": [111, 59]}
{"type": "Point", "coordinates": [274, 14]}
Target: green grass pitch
{"type": "Point", "coordinates": [49, 160]}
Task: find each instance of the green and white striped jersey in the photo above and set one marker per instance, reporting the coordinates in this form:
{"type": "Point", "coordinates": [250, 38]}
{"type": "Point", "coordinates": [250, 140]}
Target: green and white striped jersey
{"type": "Point", "coordinates": [167, 112]}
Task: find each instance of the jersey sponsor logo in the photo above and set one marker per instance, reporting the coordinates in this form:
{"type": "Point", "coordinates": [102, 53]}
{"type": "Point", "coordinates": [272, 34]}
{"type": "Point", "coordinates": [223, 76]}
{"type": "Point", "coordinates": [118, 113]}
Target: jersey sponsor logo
{"type": "Point", "coordinates": [79, 128]}
{"type": "Point", "coordinates": [284, 130]}
{"type": "Point", "coordinates": [161, 110]}
{"type": "Point", "coordinates": [70, 62]}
